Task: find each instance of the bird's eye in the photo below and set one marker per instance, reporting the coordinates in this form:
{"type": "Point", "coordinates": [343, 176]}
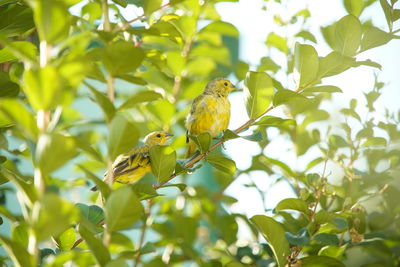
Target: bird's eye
{"type": "Point", "coordinates": [158, 135]}
{"type": "Point", "coordinates": [225, 83]}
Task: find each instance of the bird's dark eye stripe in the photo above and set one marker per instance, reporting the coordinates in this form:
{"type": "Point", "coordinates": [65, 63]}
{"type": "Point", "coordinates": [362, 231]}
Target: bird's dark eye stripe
{"type": "Point", "coordinates": [225, 83]}
{"type": "Point", "coordinates": [158, 135]}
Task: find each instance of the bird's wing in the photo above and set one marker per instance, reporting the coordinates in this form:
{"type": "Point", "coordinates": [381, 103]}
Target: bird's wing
{"type": "Point", "coordinates": [131, 161]}
{"type": "Point", "coordinates": [194, 110]}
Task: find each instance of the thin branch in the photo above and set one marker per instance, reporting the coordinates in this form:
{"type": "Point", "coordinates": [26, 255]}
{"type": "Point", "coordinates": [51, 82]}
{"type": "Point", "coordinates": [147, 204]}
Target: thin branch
{"type": "Point", "coordinates": [143, 233]}
{"type": "Point", "coordinates": [129, 22]}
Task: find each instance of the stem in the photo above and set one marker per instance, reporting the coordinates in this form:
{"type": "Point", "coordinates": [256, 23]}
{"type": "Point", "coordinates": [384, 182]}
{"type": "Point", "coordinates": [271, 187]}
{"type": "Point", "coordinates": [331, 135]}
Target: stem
{"type": "Point", "coordinates": [111, 88]}
{"type": "Point", "coordinates": [143, 233]}
{"type": "Point", "coordinates": [129, 22]}
{"type": "Point", "coordinates": [106, 238]}
{"type": "Point", "coordinates": [106, 16]}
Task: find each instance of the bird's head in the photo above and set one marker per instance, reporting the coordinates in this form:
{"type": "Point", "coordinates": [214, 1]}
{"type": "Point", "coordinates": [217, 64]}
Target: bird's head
{"type": "Point", "coordinates": [157, 138]}
{"type": "Point", "coordinates": [220, 87]}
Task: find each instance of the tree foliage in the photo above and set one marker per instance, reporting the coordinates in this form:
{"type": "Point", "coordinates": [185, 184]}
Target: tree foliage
{"type": "Point", "coordinates": [80, 88]}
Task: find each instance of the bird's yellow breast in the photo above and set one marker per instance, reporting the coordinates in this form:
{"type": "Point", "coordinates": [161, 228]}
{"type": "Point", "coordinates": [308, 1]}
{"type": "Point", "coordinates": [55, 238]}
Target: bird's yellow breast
{"type": "Point", "coordinates": [211, 114]}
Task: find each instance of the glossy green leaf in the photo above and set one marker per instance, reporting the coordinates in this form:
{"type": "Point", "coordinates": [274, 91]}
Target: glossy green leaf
{"type": "Point", "coordinates": [163, 161]}
{"type": "Point", "coordinates": [203, 141]}
{"type": "Point", "coordinates": [104, 102]}
{"type": "Point", "coordinates": [122, 3]}
{"type": "Point", "coordinates": [258, 91]}
{"type": "Point", "coordinates": [100, 252]}
{"type": "Point", "coordinates": [332, 251]}
{"type": "Point", "coordinates": [348, 35]}
{"type": "Point", "coordinates": [123, 209]}
{"type": "Point", "coordinates": [17, 253]}
{"type": "Point", "coordinates": [67, 239]}
{"type": "Point", "coordinates": [306, 65]}
{"type": "Point", "coordinates": [320, 261]}
{"type": "Point", "coordinates": [221, 27]}
{"type": "Point", "coordinates": [274, 233]}
{"type": "Point", "coordinates": [122, 57]}
{"type": "Point", "coordinates": [293, 204]}
{"type": "Point", "coordinates": [163, 110]}
{"type": "Point", "coordinates": [374, 141]}
{"type": "Point", "coordinates": [140, 97]}
{"type": "Point", "coordinates": [144, 191]}
{"type": "Point", "coordinates": [223, 164]}
{"type": "Point", "coordinates": [54, 217]}
{"type": "Point", "coordinates": [306, 35]}
{"type": "Point", "coordinates": [54, 150]}
{"type": "Point", "coordinates": [327, 239]}
{"type": "Point", "coordinates": [181, 187]}
{"type": "Point", "coordinates": [228, 135]}
{"type": "Point", "coordinates": [301, 239]}
{"type": "Point", "coordinates": [8, 88]}
{"type": "Point", "coordinates": [123, 136]}
{"type": "Point", "coordinates": [20, 234]}
{"type": "Point", "coordinates": [286, 96]}
{"type": "Point", "coordinates": [92, 213]}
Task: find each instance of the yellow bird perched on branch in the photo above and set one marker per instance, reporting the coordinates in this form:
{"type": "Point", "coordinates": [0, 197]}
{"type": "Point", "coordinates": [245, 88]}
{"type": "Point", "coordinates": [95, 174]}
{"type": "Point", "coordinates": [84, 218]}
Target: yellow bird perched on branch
{"type": "Point", "coordinates": [128, 168]}
{"type": "Point", "coordinates": [210, 112]}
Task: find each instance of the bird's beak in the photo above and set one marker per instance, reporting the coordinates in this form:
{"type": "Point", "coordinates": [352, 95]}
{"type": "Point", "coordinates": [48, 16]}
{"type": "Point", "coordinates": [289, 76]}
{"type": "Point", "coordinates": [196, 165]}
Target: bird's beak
{"type": "Point", "coordinates": [169, 135]}
{"type": "Point", "coordinates": [233, 88]}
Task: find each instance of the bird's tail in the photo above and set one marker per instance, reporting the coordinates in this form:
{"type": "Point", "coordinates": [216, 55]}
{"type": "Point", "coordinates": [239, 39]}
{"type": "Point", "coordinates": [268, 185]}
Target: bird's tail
{"type": "Point", "coordinates": [191, 149]}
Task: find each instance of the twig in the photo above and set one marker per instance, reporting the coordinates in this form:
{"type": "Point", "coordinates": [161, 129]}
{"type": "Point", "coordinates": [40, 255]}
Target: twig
{"type": "Point", "coordinates": [143, 234]}
{"type": "Point", "coordinates": [129, 22]}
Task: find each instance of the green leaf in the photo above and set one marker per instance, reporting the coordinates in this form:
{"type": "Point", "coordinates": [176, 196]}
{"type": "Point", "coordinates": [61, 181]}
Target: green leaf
{"type": "Point", "coordinates": [18, 254]}
{"type": "Point", "coordinates": [274, 233]}
{"type": "Point", "coordinates": [275, 122]}
{"type": "Point", "coordinates": [306, 35]}
{"type": "Point", "coordinates": [327, 239]}
{"type": "Point", "coordinates": [92, 213]}
{"type": "Point", "coordinates": [293, 204]}
{"type": "Point", "coordinates": [122, 57]}
{"type": "Point", "coordinates": [15, 20]}
{"type": "Point", "coordinates": [100, 252]}
{"type": "Point", "coordinates": [298, 240]}
{"type": "Point", "coordinates": [223, 164]}
{"type": "Point", "coordinates": [387, 9]}
{"type": "Point", "coordinates": [102, 186]}
{"type": "Point", "coordinates": [123, 136]}
{"type": "Point", "coordinates": [354, 7]}
{"type": "Point", "coordinates": [43, 87]}
{"type": "Point", "coordinates": [320, 261]}
{"type": "Point", "coordinates": [104, 102]}
{"type": "Point", "coordinates": [20, 234]}
{"type": "Point", "coordinates": [228, 135]}
{"type": "Point", "coordinates": [374, 37]}
{"type": "Point", "coordinates": [274, 40]}
{"type": "Point", "coordinates": [332, 251]}
{"type": "Point", "coordinates": [55, 215]}
{"type": "Point", "coordinates": [54, 150]}
{"type": "Point", "coordinates": [285, 96]}
{"type": "Point", "coordinates": [254, 137]}
{"type": "Point", "coordinates": [67, 239]}
{"type": "Point", "coordinates": [203, 141]}
{"type": "Point", "coordinates": [27, 189]}
{"type": "Point", "coordinates": [334, 63]}
{"type": "Point", "coordinates": [323, 89]}
{"type": "Point", "coordinates": [140, 97]}
{"type": "Point", "coordinates": [122, 3]}
{"type": "Point", "coordinates": [18, 50]}
{"type": "Point", "coordinates": [258, 91]}
{"type": "Point", "coordinates": [144, 191]}
{"type": "Point", "coordinates": [181, 187]}
{"type": "Point", "coordinates": [374, 141]}
{"type": "Point", "coordinates": [176, 62]}
{"type": "Point", "coordinates": [52, 19]}
{"type": "Point", "coordinates": [8, 88]}
{"type": "Point", "coordinates": [306, 64]}
{"type": "Point", "coordinates": [150, 6]}
{"type": "Point", "coordinates": [123, 209]}
{"type": "Point", "coordinates": [163, 161]}
{"type": "Point", "coordinates": [221, 27]}
{"type": "Point", "coordinates": [348, 35]}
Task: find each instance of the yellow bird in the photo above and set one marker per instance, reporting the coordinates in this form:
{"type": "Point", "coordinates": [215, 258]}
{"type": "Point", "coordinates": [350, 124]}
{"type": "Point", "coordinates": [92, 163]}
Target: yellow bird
{"type": "Point", "coordinates": [210, 112]}
{"type": "Point", "coordinates": [129, 167]}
